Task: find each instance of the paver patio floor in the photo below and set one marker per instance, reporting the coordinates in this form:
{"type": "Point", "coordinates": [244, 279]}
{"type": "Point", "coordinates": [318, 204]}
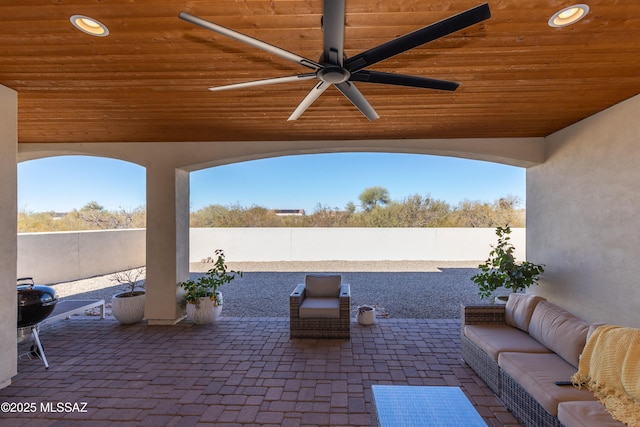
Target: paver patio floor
{"type": "Point", "coordinates": [237, 372]}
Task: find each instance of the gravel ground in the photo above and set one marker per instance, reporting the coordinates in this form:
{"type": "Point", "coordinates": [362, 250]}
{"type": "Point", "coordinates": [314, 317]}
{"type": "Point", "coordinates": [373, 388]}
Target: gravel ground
{"type": "Point", "coordinates": [398, 289]}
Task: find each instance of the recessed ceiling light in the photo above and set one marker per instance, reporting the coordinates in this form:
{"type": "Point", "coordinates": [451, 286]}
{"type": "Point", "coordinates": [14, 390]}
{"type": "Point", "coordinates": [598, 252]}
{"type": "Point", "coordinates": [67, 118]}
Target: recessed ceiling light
{"type": "Point", "coordinates": [569, 15]}
{"type": "Point", "coordinates": [89, 25]}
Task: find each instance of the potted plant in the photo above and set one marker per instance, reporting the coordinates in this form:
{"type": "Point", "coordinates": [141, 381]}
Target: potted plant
{"type": "Point", "coordinates": [502, 270]}
{"type": "Point", "coordinates": [202, 298]}
{"type": "Point", "coordinates": [128, 306]}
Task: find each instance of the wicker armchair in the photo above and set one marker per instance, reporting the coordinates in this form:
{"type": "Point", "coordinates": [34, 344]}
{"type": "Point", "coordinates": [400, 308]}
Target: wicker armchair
{"type": "Point", "coordinates": [321, 308]}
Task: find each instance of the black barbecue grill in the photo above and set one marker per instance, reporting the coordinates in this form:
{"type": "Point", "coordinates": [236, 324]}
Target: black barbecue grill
{"type": "Point", "coordinates": [35, 303]}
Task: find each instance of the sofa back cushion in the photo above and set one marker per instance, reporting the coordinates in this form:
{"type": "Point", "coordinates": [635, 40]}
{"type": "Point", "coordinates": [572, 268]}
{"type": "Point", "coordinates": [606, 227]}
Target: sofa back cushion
{"type": "Point", "coordinates": [592, 329]}
{"type": "Point", "coordinates": [519, 310]}
{"type": "Point", "coordinates": [559, 331]}
{"type": "Point", "coordinates": [322, 285]}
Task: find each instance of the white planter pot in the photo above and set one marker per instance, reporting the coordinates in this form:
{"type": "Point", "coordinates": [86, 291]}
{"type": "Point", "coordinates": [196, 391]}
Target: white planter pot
{"type": "Point", "coordinates": [366, 315]}
{"type": "Point", "coordinates": [205, 312]}
{"type": "Point", "coordinates": [128, 310]}
{"type": "Point", "coordinates": [502, 299]}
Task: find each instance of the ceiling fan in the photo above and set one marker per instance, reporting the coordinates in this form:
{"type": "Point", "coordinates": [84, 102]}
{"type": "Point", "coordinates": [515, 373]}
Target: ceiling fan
{"type": "Point", "coordinates": [335, 68]}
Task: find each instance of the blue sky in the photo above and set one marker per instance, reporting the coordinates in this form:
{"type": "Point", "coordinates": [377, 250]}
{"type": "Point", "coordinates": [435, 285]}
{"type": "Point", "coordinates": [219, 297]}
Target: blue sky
{"type": "Point", "coordinates": [65, 183]}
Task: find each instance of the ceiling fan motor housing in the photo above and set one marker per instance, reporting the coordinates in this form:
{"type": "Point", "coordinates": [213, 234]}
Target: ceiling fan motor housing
{"type": "Point", "coordinates": [332, 74]}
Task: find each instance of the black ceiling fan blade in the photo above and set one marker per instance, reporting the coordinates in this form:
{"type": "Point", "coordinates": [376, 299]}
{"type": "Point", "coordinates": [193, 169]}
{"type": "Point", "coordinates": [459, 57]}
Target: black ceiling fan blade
{"type": "Point", "coordinates": [418, 37]}
{"type": "Point", "coordinates": [249, 40]}
{"type": "Point", "coordinates": [333, 27]}
{"type": "Point", "coordinates": [403, 80]}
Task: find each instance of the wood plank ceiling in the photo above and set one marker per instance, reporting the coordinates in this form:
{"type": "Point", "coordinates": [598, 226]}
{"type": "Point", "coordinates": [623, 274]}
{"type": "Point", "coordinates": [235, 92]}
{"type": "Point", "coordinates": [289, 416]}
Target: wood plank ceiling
{"type": "Point", "coordinates": [148, 80]}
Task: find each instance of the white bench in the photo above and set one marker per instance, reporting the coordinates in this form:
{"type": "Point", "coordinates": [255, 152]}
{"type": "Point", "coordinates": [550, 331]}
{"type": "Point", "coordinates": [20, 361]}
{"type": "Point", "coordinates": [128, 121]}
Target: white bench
{"type": "Point", "coordinates": [67, 308]}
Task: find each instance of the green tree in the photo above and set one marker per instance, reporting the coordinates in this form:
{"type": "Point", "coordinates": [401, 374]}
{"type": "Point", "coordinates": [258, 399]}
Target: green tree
{"type": "Point", "coordinates": [470, 213]}
{"type": "Point", "coordinates": [128, 218]}
{"type": "Point", "coordinates": [484, 214]}
{"type": "Point", "coordinates": [325, 216]}
{"type": "Point", "coordinates": [373, 197]}
{"type": "Point", "coordinates": [350, 207]}
{"type": "Point", "coordinates": [210, 216]}
{"type": "Point", "coordinates": [95, 214]}
{"type": "Point", "coordinates": [258, 216]}
{"type": "Point", "coordinates": [422, 211]}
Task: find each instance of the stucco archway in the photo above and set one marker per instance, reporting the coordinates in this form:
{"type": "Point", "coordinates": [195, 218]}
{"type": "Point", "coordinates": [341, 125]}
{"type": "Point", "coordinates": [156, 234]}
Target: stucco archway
{"type": "Point", "coordinates": [168, 166]}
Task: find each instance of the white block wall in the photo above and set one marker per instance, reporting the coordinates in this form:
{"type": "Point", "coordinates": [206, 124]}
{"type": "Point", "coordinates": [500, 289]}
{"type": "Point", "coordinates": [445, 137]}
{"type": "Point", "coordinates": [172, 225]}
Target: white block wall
{"type": "Point", "coordinates": [349, 244]}
{"type": "Point", "coordinates": [66, 256]}
{"type": "Point", "coordinates": [61, 257]}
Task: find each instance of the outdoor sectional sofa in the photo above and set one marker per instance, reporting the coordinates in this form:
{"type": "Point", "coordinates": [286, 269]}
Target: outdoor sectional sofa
{"type": "Point", "coordinates": [521, 349]}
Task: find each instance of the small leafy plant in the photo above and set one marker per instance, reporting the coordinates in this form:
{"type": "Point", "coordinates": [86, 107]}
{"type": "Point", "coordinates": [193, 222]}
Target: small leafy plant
{"type": "Point", "coordinates": [130, 280]}
{"type": "Point", "coordinates": [206, 286]}
{"type": "Point", "coordinates": [502, 270]}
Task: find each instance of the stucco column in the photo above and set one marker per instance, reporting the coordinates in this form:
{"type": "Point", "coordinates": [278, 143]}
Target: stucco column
{"type": "Point", "coordinates": [8, 233]}
{"type": "Point", "coordinates": [167, 241]}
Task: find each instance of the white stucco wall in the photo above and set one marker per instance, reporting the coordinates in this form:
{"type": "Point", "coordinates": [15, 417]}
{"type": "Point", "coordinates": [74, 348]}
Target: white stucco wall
{"type": "Point", "coordinates": [58, 257]}
{"type": "Point", "coordinates": [348, 244]}
{"type": "Point", "coordinates": [8, 226]}
{"type": "Point", "coordinates": [583, 216]}
{"type": "Point", "coordinates": [65, 256]}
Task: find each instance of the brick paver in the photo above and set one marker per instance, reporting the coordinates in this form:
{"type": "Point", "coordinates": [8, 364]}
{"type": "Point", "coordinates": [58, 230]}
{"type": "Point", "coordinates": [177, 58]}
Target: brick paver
{"type": "Point", "coordinates": [237, 372]}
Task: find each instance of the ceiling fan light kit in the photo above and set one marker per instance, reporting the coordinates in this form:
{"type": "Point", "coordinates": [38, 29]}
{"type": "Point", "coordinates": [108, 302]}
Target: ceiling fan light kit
{"type": "Point", "coordinates": [334, 68]}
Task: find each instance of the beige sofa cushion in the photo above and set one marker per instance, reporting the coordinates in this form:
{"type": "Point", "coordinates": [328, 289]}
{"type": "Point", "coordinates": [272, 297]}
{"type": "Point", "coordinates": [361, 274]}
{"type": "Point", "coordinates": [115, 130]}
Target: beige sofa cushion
{"type": "Point", "coordinates": [322, 285]}
{"type": "Point", "coordinates": [320, 307]}
{"type": "Point", "coordinates": [580, 414]}
{"type": "Point", "coordinates": [494, 339]}
{"type": "Point", "coordinates": [559, 331]}
{"type": "Point", "coordinates": [536, 373]}
{"type": "Point", "coordinates": [519, 309]}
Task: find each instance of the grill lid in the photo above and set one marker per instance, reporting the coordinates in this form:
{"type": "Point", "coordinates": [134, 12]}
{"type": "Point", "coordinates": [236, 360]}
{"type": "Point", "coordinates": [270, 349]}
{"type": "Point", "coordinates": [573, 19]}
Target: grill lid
{"type": "Point", "coordinates": [35, 302]}
{"type": "Point", "coordinates": [36, 294]}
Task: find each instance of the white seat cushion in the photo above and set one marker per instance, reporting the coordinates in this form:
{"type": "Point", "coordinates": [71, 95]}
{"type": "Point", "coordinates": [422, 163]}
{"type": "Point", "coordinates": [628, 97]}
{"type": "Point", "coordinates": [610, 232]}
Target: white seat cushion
{"type": "Point", "coordinates": [495, 339]}
{"type": "Point", "coordinates": [328, 308]}
{"type": "Point", "coordinates": [537, 372]}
